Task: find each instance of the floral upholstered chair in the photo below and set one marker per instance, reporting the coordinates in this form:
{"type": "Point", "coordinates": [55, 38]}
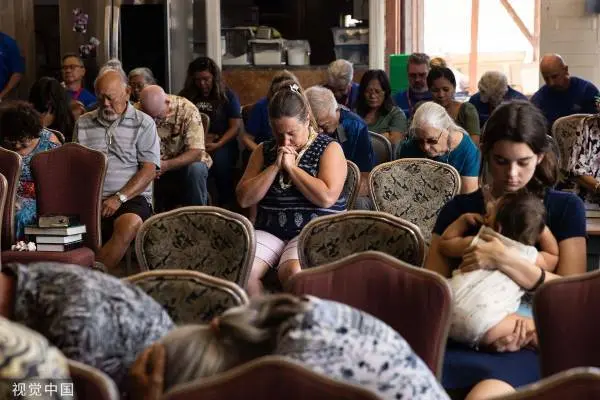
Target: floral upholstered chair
{"type": "Point", "coordinates": [189, 296]}
{"type": "Point", "coordinates": [414, 189]}
{"type": "Point", "coordinates": [351, 184]}
{"type": "Point", "coordinates": [327, 239]}
{"type": "Point", "coordinates": [206, 239]}
{"type": "Point", "coordinates": [564, 132]}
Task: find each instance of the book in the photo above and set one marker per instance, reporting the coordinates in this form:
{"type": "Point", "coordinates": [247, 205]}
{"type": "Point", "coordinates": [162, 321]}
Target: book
{"type": "Point", "coordinates": [57, 221]}
{"type": "Point", "coordinates": [59, 247]}
{"type": "Point", "coordinates": [592, 213]}
{"type": "Point", "coordinates": [59, 239]}
{"type": "Point", "coordinates": [65, 231]}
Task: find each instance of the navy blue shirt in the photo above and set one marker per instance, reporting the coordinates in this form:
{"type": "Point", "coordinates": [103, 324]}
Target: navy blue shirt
{"type": "Point", "coordinates": [483, 109]}
{"type": "Point", "coordinates": [85, 96]}
{"type": "Point", "coordinates": [219, 118]}
{"type": "Point", "coordinates": [353, 134]}
{"type": "Point", "coordinates": [10, 59]}
{"type": "Point", "coordinates": [579, 98]}
{"type": "Point", "coordinates": [407, 100]}
{"type": "Point", "coordinates": [258, 123]}
{"type": "Point", "coordinates": [465, 157]}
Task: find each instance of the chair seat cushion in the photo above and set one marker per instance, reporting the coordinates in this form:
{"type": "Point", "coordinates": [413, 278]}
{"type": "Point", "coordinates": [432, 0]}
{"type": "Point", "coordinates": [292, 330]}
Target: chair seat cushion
{"type": "Point", "coordinates": [83, 256]}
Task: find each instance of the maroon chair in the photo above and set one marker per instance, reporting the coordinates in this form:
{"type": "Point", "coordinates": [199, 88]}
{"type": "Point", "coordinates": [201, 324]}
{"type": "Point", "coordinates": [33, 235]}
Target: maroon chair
{"type": "Point", "coordinates": [269, 378]}
{"type": "Point", "coordinates": [415, 302]}
{"type": "Point", "coordinates": [10, 167]}
{"type": "Point", "coordinates": [568, 332]}
{"type": "Point", "coordinates": [92, 384]}
{"type": "Point", "coordinates": [68, 180]}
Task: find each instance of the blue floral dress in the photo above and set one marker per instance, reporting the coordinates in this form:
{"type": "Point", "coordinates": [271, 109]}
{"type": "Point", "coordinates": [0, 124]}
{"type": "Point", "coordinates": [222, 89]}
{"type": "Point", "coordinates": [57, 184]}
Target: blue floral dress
{"type": "Point", "coordinates": [26, 212]}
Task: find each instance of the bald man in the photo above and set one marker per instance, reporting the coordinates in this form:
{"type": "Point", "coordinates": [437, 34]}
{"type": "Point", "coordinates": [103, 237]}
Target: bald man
{"type": "Point", "coordinates": [184, 162]}
{"type": "Point", "coordinates": [130, 141]}
{"type": "Point", "coordinates": [563, 94]}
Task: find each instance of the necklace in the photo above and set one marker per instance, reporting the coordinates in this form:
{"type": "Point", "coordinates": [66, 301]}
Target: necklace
{"type": "Point", "coordinates": [311, 138]}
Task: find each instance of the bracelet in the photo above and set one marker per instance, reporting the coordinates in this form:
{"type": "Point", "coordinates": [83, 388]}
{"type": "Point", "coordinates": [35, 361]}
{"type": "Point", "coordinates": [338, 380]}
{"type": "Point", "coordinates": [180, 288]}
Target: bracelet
{"type": "Point", "coordinates": [539, 281]}
{"type": "Point", "coordinates": [596, 186]}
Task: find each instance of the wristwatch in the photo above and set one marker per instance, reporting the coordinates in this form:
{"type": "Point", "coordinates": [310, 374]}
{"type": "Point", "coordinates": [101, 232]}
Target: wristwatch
{"type": "Point", "coordinates": [122, 197]}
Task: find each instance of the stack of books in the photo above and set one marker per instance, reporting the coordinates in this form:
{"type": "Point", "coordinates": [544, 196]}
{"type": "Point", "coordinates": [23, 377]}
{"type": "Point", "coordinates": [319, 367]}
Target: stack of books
{"type": "Point", "coordinates": [56, 233]}
{"type": "Point", "coordinates": [592, 211]}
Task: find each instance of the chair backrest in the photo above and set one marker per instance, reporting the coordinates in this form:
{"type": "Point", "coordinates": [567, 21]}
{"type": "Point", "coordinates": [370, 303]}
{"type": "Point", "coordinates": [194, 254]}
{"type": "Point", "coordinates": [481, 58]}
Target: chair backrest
{"type": "Point", "coordinates": [351, 184]}
{"type": "Point", "coordinates": [269, 378]}
{"type": "Point", "coordinates": [59, 135]}
{"type": "Point", "coordinates": [246, 112]}
{"type": "Point", "coordinates": [563, 131]}
{"type": "Point", "coordinates": [92, 384]}
{"type": "Point", "coordinates": [205, 122]}
{"type": "Point", "coordinates": [393, 291]}
{"type": "Point", "coordinates": [69, 180]}
{"type": "Point", "coordinates": [415, 189]}
{"type": "Point", "coordinates": [563, 311]}
{"type": "Point", "coordinates": [10, 166]}
{"type": "Point", "coordinates": [206, 239]}
{"type": "Point", "coordinates": [382, 148]}
{"type": "Point", "coordinates": [577, 383]}
{"type": "Point", "coordinates": [190, 296]}
{"type": "Point", "coordinates": [330, 238]}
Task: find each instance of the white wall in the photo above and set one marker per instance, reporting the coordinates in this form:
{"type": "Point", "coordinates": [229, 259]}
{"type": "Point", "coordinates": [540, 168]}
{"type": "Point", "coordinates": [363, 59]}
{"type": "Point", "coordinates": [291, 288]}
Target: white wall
{"type": "Point", "coordinates": [567, 30]}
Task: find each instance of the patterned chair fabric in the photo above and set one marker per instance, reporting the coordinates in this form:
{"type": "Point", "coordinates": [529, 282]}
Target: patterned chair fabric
{"type": "Point", "coordinates": [563, 311]}
{"type": "Point", "coordinates": [92, 384]}
{"type": "Point", "coordinates": [414, 189]}
{"type": "Point", "coordinates": [10, 167]}
{"type": "Point", "coordinates": [576, 383]}
{"type": "Point", "coordinates": [405, 297]}
{"type": "Point", "coordinates": [382, 147]}
{"type": "Point", "coordinates": [268, 378]}
{"type": "Point", "coordinates": [206, 239]}
{"type": "Point", "coordinates": [351, 184]}
{"type": "Point", "coordinates": [564, 132]}
{"type": "Point", "coordinates": [190, 297]}
{"type": "Point", "coordinates": [327, 239]}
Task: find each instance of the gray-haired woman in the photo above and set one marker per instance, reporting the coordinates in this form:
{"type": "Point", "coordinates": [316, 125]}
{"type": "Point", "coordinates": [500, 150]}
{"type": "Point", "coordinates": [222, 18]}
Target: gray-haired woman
{"type": "Point", "coordinates": [493, 90]}
{"type": "Point", "coordinates": [139, 78]}
{"type": "Point", "coordinates": [325, 336]}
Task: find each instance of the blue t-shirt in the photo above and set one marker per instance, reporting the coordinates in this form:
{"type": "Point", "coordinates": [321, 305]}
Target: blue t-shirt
{"type": "Point", "coordinates": [579, 98]}
{"type": "Point", "coordinates": [85, 96]}
{"type": "Point", "coordinates": [465, 157]}
{"type": "Point", "coordinates": [10, 59]}
{"type": "Point", "coordinates": [353, 134]}
{"type": "Point", "coordinates": [463, 366]}
{"type": "Point", "coordinates": [483, 109]}
{"type": "Point", "coordinates": [352, 96]}
{"type": "Point", "coordinates": [219, 118]}
{"type": "Point", "coordinates": [407, 100]}
{"type": "Point", "coordinates": [258, 123]}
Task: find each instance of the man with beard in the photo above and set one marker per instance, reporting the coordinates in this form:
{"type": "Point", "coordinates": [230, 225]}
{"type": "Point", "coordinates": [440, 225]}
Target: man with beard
{"type": "Point", "coordinates": [417, 70]}
{"type": "Point", "coordinates": [130, 141]}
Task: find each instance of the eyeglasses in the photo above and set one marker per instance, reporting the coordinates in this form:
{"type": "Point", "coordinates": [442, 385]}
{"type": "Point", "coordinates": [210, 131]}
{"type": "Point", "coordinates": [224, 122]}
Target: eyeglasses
{"type": "Point", "coordinates": [373, 92]}
{"type": "Point", "coordinates": [429, 141]}
{"type": "Point", "coordinates": [70, 67]}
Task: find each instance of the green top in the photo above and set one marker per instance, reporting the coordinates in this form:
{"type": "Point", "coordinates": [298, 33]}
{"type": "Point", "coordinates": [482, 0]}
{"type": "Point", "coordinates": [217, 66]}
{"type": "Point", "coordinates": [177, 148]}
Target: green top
{"type": "Point", "coordinates": [394, 121]}
{"type": "Point", "coordinates": [468, 118]}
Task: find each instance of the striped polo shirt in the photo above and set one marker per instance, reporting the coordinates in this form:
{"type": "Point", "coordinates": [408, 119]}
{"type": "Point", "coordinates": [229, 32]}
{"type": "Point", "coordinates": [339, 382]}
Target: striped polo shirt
{"type": "Point", "coordinates": [127, 142]}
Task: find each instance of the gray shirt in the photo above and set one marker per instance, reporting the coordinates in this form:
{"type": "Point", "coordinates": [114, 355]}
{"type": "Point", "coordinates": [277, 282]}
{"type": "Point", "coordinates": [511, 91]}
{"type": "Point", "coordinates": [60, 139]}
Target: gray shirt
{"type": "Point", "coordinates": [127, 142]}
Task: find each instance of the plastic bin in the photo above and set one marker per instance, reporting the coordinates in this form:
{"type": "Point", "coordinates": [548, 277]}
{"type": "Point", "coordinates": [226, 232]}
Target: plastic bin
{"type": "Point", "coordinates": [343, 36]}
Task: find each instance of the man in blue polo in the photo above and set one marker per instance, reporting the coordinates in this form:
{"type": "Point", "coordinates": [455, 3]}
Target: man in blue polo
{"type": "Point", "coordinates": [417, 70]}
{"type": "Point", "coordinates": [563, 94]}
{"type": "Point", "coordinates": [12, 66]}
{"type": "Point", "coordinates": [343, 125]}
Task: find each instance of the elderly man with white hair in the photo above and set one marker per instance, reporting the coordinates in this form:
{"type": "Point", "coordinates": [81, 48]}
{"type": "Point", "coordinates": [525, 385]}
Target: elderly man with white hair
{"type": "Point", "coordinates": [129, 139]}
{"type": "Point", "coordinates": [493, 90]}
{"type": "Point", "coordinates": [339, 80]}
{"type": "Point", "coordinates": [184, 162]}
{"type": "Point", "coordinates": [343, 125]}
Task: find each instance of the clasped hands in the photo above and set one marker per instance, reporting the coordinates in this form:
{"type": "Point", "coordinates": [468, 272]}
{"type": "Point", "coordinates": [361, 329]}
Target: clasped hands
{"type": "Point", "coordinates": [286, 158]}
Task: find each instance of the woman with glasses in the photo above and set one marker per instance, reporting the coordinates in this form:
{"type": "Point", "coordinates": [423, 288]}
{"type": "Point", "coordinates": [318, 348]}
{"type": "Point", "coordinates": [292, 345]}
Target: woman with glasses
{"type": "Point", "coordinates": [435, 135]}
{"type": "Point", "coordinates": [442, 84]}
{"type": "Point", "coordinates": [206, 89]}
{"type": "Point", "coordinates": [376, 106]}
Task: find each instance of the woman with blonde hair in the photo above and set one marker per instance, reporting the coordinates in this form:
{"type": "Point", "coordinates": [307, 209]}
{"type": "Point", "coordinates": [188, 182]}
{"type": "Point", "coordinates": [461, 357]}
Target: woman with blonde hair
{"type": "Point", "coordinates": [433, 134]}
{"type": "Point", "coordinates": [325, 336]}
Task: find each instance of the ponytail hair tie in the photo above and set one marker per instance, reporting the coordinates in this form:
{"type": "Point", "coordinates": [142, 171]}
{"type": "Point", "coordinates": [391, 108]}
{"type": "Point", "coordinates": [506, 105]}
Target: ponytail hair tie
{"type": "Point", "coordinates": [295, 88]}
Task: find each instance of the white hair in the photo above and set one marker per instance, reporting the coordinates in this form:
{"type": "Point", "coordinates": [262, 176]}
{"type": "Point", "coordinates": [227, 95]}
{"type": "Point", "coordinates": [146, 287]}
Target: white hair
{"type": "Point", "coordinates": [115, 66]}
{"type": "Point", "coordinates": [144, 72]}
{"type": "Point", "coordinates": [432, 115]}
{"type": "Point", "coordinates": [321, 100]}
{"type": "Point", "coordinates": [340, 73]}
{"type": "Point", "coordinates": [493, 85]}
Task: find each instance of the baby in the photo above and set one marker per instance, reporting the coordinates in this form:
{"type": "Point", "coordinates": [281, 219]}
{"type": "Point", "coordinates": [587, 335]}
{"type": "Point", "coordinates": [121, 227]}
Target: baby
{"type": "Point", "coordinates": [485, 301]}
